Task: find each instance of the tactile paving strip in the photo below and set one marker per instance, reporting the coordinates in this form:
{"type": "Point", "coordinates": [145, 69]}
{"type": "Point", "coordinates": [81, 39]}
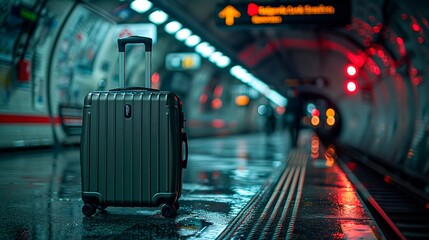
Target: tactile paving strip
{"type": "Point", "coordinates": [272, 212]}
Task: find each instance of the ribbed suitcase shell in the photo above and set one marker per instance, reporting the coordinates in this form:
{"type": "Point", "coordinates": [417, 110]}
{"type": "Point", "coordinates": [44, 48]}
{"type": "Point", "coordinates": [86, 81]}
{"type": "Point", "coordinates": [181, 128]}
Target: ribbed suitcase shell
{"type": "Point", "coordinates": [131, 148]}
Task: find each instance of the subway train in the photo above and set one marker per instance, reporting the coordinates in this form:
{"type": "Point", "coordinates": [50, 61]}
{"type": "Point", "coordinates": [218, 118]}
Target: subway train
{"type": "Point", "coordinates": [54, 52]}
{"type": "Point", "coordinates": [372, 72]}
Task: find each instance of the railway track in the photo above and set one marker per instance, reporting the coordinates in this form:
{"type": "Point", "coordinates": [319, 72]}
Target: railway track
{"type": "Point", "coordinates": [399, 208]}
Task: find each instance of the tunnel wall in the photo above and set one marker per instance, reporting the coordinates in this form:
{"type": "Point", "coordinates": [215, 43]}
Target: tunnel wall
{"type": "Point", "coordinates": [72, 50]}
{"type": "Point", "coordinates": [393, 38]}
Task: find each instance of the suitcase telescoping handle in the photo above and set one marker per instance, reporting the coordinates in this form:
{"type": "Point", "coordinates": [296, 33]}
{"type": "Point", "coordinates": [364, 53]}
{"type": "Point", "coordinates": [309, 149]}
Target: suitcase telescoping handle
{"type": "Point", "coordinates": [148, 58]}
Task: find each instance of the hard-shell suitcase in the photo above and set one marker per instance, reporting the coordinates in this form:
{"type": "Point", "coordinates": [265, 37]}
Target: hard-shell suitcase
{"type": "Point", "coordinates": [133, 145]}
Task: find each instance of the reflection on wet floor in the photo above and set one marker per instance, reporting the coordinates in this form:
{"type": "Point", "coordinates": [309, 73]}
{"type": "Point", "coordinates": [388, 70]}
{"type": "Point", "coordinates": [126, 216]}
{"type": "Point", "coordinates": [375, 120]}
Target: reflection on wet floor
{"type": "Point", "coordinates": [40, 192]}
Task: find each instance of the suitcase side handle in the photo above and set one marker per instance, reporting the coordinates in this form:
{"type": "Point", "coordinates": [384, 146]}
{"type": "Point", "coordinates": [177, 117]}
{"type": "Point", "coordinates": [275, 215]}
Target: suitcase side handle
{"type": "Point", "coordinates": [185, 140]}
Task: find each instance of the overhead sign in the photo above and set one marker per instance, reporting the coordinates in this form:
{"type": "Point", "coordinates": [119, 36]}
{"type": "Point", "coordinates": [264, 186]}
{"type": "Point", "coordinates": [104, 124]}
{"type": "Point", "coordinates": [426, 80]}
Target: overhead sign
{"type": "Point", "coordinates": [320, 12]}
{"type": "Point", "coordinates": [182, 61]}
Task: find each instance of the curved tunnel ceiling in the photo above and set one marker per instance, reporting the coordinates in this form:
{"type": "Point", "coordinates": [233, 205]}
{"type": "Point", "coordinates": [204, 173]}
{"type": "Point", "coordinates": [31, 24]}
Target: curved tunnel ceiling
{"type": "Point", "coordinates": [392, 27]}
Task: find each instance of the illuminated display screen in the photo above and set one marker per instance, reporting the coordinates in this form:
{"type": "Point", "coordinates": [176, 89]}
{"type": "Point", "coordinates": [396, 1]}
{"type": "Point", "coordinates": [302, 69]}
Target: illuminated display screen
{"type": "Point", "coordinates": [328, 12]}
{"type": "Point", "coordinates": [182, 61]}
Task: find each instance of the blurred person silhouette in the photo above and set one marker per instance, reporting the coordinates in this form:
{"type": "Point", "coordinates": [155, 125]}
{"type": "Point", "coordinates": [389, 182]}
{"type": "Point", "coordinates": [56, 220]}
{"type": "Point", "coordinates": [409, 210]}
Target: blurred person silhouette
{"type": "Point", "coordinates": [294, 114]}
{"type": "Point", "coordinates": [270, 120]}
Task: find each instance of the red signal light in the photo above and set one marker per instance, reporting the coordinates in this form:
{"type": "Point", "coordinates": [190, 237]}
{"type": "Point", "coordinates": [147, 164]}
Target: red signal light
{"type": "Point", "coordinates": [351, 71]}
{"type": "Point", "coordinates": [415, 27]}
{"type": "Point", "coordinates": [351, 86]}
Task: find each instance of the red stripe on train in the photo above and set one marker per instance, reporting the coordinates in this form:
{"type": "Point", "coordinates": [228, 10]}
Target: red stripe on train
{"type": "Point", "coordinates": [27, 119]}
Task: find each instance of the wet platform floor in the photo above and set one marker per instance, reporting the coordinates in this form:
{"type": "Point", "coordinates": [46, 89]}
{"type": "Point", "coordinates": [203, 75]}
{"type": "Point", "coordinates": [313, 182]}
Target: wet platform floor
{"type": "Point", "coordinates": [40, 195]}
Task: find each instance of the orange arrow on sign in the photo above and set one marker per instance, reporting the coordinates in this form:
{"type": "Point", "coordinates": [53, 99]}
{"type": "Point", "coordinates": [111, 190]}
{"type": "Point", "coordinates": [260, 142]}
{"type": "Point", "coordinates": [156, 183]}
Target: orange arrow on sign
{"type": "Point", "coordinates": [229, 13]}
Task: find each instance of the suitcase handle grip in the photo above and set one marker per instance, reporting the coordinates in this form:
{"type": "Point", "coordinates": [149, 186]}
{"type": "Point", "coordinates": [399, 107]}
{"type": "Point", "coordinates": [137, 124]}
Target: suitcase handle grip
{"type": "Point", "coordinates": [135, 39]}
{"type": "Point", "coordinates": [185, 140]}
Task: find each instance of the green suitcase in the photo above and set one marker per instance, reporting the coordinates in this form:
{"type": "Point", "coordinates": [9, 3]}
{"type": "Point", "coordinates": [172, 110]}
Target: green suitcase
{"type": "Point", "coordinates": [133, 145]}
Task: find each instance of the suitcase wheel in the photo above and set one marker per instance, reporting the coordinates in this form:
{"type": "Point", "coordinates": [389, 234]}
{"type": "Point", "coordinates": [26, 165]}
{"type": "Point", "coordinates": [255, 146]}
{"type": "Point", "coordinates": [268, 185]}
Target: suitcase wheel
{"type": "Point", "coordinates": [89, 210]}
{"type": "Point", "coordinates": [168, 211]}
